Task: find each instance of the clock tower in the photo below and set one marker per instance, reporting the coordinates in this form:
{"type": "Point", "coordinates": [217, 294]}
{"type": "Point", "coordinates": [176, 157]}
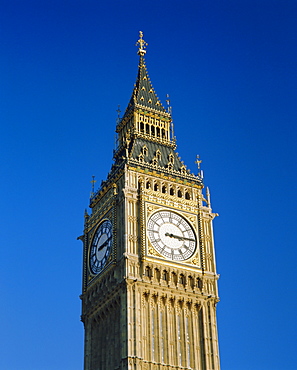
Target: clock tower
{"type": "Point", "coordinates": [149, 274]}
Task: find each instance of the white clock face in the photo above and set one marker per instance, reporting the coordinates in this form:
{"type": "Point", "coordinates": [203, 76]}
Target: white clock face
{"type": "Point", "coordinates": [171, 235]}
{"type": "Point", "coordinates": [101, 247]}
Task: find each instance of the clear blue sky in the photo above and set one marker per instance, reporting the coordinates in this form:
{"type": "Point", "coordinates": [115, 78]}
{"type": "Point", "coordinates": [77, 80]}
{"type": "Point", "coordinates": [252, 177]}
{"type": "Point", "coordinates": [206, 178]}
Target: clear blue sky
{"type": "Point", "coordinates": [230, 69]}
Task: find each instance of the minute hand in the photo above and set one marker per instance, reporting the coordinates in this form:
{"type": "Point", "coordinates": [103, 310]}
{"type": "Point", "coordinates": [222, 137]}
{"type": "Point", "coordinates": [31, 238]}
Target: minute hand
{"type": "Point", "coordinates": [104, 244]}
{"type": "Point", "coordinates": [179, 237]}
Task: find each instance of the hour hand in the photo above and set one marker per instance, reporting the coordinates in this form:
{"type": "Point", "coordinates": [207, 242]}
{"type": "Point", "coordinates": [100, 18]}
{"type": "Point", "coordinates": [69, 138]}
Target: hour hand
{"type": "Point", "coordinates": [179, 237]}
{"type": "Point", "coordinates": [174, 236]}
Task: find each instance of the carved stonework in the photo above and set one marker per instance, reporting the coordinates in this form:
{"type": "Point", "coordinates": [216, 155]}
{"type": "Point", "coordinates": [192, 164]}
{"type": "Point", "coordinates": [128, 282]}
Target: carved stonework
{"type": "Point", "coordinates": [132, 238]}
{"type": "Point", "coordinates": [208, 256]}
{"type": "Point", "coordinates": [132, 219]}
{"type": "Point", "coordinates": [194, 261]}
{"type": "Point", "coordinates": [152, 304]}
{"type": "Point", "coordinates": [151, 209]}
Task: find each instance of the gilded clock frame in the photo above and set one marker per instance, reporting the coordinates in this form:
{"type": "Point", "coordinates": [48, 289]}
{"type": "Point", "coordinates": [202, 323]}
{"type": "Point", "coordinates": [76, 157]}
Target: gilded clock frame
{"type": "Point", "coordinates": [192, 219]}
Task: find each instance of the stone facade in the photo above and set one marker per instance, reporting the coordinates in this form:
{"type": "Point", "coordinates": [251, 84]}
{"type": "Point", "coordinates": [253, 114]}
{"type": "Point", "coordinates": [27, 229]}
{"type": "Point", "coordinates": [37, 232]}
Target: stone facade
{"type": "Point", "coordinates": [143, 310]}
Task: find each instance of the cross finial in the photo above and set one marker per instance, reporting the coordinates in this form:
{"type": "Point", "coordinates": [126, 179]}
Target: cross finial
{"type": "Point", "coordinates": [93, 183]}
{"type": "Point", "coordinates": [118, 112]}
{"type": "Point", "coordinates": [198, 161]}
{"type": "Point", "coordinates": [168, 103]}
{"type": "Point", "coordinates": [142, 44]}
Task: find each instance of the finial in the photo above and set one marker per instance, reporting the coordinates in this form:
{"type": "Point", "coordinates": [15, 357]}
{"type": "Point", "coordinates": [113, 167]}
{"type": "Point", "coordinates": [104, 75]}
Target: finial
{"type": "Point", "coordinates": [116, 138]}
{"type": "Point", "coordinates": [198, 161]}
{"type": "Point", "coordinates": [119, 114]}
{"type": "Point", "coordinates": [142, 44]}
{"type": "Point", "coordinates": [169, 110]}
{"type": "Point", "coordinates": [93, 184]}
{"type": "Point", "coordinates": [208, 196]}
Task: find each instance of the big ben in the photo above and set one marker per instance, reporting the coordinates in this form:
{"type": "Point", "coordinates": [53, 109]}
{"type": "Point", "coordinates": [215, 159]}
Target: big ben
{"type": "Point", "coordinates": [149, 273]}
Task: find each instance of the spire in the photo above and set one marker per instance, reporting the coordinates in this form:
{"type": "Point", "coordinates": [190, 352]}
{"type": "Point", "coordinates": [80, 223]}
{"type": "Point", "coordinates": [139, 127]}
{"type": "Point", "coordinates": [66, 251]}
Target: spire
{"type": "Point", "coordinates": [144, 94]}
{"type": "Point", "coordinates": [145, 116]}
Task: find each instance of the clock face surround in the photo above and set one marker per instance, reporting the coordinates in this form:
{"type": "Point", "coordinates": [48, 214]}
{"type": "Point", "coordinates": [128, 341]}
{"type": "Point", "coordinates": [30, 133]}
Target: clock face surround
{"type": "Point", "coordinates": [171, 235]}
{"type": "Point", "coordinates": [100, 247]}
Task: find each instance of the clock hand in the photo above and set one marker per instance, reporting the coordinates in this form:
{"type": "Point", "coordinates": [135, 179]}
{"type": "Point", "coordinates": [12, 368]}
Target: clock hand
{"type": "Point", "coordinates": [178, 237]}
{"type": "Point", "coordinates": [191, 240]}
{"type": "Point", "coordinates": [174, 236]}
{"type": "Point", "coordinates": [104, 244]}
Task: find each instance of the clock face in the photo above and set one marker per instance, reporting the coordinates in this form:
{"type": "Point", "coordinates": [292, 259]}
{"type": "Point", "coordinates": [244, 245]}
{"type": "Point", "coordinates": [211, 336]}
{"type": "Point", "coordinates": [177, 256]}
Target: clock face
{"type": "Point", "coordinates": [101, 247]}
{"type": "Point", "coordinates": [171, 235]}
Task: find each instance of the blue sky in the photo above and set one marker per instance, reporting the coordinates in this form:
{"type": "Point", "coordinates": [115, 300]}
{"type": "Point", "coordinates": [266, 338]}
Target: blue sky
{"type": "Point", "coordinates": [230, 70]}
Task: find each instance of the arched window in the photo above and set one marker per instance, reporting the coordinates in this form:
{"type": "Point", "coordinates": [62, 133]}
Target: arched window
{"type": "Point", "coordinates": [158, 155]}
{"type": "Point", "coordinates": [179, 193]}
{"type": "Point", "coordinates": [174, 278]}
{"type": "Point", "coordinates": [157, 274]}
{"type": "Point", "coordinates": [171, 192]}
{"type": "Point", "coordinates": [147, 271]}
{"type": "Point", "coordinates": [191, 282]}
{"type": "Point", "coordinates": [140, 158]}
{"type": "Point", "coordinates": [187, 195]}
{"type": "Point", "coordinates": [183, 169]}
{"type": "Point", "coordinates": [181, 279]}
{"type": "Point", "coordinates": [164, 189]}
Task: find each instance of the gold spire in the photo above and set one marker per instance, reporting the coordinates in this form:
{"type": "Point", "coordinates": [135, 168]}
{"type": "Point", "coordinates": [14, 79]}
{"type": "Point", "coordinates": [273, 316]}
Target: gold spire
{"type": "Point", "coordinates": [142, 44]}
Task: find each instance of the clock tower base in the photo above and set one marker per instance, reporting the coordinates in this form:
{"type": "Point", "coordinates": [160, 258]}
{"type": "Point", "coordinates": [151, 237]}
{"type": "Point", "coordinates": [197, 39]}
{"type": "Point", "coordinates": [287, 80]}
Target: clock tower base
{"type": "Point", "coordinates": [155, 322]}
